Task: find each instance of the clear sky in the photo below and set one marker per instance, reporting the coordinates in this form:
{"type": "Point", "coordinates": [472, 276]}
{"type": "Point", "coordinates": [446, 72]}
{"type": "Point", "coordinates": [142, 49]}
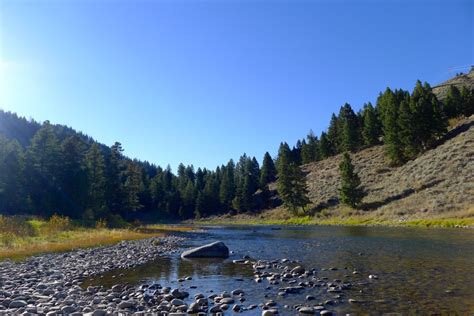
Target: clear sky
{"type": "Point", "coordinates": [204, 81]}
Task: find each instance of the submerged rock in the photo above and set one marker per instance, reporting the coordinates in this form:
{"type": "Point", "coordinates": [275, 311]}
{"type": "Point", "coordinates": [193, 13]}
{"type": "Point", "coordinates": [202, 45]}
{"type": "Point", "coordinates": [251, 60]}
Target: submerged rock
{"type": "Point", "coordinates": [213, 250]}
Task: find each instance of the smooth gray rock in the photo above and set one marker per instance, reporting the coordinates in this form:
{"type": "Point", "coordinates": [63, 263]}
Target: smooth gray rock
{"type": "Point", "coordinates": [17, 304]}
{"type": "Point", "coordinates": [213, 250]}
{"type": "Point", "coordinates": [126, 304]}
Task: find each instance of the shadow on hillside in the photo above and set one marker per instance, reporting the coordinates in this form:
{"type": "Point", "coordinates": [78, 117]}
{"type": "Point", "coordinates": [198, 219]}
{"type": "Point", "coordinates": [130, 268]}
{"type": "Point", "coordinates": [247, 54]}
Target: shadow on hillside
{"type": "Point", "coordinates": [454, 132]}
{"type": "Point", "coordinates": [323, 205]}
{"type": "Point", "coordinates": [407, 192]}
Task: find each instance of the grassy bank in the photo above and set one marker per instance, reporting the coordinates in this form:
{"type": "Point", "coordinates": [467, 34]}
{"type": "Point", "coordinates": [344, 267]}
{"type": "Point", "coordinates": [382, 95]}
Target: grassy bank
{"type": "Point", "coordinates": [281, 217]}
{"type": "Point", "coordinates": [22, 237]}
{"type": "Point", "coordinates": [445, 222]}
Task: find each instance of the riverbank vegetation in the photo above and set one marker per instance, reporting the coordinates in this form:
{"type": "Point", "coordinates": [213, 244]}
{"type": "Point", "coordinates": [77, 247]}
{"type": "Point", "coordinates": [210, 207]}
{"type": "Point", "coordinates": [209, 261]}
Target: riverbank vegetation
{"type": "Point", "coordinates": [343, 217]}
{"type": "Point", "coordinates": [48, 169]}
{"type": "Point", "coordinates": [22, 236]}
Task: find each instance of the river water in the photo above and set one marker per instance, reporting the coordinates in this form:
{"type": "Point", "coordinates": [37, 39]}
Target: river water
{"type": "Point", "coordinates": [420, 271]}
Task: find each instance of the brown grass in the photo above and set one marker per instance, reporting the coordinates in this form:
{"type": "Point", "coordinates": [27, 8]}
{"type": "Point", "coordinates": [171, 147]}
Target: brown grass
{"type": "Point", "coordinates": [70, 240]}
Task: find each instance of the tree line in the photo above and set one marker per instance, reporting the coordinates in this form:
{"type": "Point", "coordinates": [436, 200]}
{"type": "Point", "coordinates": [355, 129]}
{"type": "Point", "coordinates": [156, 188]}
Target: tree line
{"type": "Point", "coordinates": [47, 169]}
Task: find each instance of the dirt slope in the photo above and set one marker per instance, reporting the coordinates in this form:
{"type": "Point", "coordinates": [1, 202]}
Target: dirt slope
{"type": "Point", "coordinates": [437, 184]}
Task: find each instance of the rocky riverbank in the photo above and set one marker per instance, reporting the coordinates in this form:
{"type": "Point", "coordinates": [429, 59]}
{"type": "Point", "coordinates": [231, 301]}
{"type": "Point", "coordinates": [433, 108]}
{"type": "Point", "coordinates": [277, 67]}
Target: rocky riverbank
{"type": "Point", "coordinates": [49, 284]}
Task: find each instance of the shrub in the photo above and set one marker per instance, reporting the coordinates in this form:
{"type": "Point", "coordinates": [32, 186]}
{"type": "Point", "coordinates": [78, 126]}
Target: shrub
{"type": "Point", "coordinates": [58, 223]}
{"type": "Point", "coordinates": [7, 239]}
{"type": "Point", "coordinates": [101, 223]}
{"type": "Point", "coordinates": [16, 226]}
{"type": "Point", "coordinates": [116, 221]}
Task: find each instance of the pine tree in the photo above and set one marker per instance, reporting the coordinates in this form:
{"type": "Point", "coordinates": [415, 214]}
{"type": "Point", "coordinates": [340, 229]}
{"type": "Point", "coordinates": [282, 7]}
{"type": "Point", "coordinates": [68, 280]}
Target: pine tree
{"type": "Point", "coordinates": [371, 129]}
{"type": "Point", "coordinates": [453, 105]}
{"type": "Point", "coordinates": [350, 192]}
{"type": "Point", "coordinates": [310, 150]}
{"type": "Point", "coordinates": [324, 146]}
{"type": "Point", "coordinates": [427, 112]}
{"type": "Point", "coordinates": [291, 183]}
{"type": "Point", "coordinates": [200, 205]}
{"type": "Point", "coordinates": [188, 199]}
{"type": "Point", "coordinates": [227, 185]}
{"type": "Point", "coordinates": [133, 187]}
{"type": "Point", "coordinates": [406, 124]}
{"type": "Point", "coordinates": [467, 101]}
{"type": "Point", "coordinates": [95, 166]}
{"type": "Point", "coordinates": [334, 135]}
{"type": "Point", "coordinates": [43, 161]}
{"type": "Point", "coordinates": [268, 171]}
{"type": "Point", "coordinates": [389, 108]}
{"type": "Point", "coordinates": [115, 170]}
{"type": "Point", "coordinates": [349, 129]}
{"type": "Point", "coordinates": [12, 190]}
{"type": "Point", "coordinates": [74, 176]}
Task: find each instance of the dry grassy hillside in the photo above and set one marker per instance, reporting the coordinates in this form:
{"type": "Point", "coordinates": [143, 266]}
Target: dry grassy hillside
{"type": "Point", "coordinates": [437, 184]}
{"type": "Point", "coordinates": [462, 80]}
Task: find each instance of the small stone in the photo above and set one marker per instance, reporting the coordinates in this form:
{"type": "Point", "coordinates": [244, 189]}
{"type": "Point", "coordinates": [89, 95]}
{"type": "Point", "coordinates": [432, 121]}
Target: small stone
{"type": "Point", "coordinates": [126, 304]}
{"type": "Point", "coordinates": [177, 302]}
{"type": "Point", "coordinates": [68, 310]}
{"type": "Point", "coordinates": [237, 292]}
{"type": "Point", "coordinates": [17, 304]}
{"type": "Point", "coordinates": [306, 310]}
{"type": "Point", "coordinates": [297, 270]}
{"type": "Point", "coordinates": [236, 308]}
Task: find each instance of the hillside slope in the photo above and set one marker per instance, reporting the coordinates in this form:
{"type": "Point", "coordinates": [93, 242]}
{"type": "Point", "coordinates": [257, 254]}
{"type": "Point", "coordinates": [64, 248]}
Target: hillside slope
{"type": "Point", "coordinates": [437, 184]}
{"type": "Point", "coordinates": [459, 81]}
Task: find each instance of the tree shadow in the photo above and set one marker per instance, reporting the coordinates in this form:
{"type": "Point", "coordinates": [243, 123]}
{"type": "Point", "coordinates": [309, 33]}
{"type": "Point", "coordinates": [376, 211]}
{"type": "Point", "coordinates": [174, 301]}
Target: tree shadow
{"type": "Point", "coordinates": [453, 133]}
{"type": "Point", "coordinates": [407, 192]}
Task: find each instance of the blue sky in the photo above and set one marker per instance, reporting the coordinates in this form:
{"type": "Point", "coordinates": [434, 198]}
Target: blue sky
{"type": "Point", "coordinates": [204, 81]}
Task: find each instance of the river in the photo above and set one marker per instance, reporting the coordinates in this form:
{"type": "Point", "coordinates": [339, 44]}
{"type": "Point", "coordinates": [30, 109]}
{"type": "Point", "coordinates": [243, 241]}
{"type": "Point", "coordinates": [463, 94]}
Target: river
{"type": "Point", "coordinates": [419, 271]}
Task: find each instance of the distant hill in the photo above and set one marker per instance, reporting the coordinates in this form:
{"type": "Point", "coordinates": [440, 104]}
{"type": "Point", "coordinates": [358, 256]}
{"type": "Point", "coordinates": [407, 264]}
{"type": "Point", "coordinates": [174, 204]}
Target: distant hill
{"type": "Point", "coordinates": [466, 80]}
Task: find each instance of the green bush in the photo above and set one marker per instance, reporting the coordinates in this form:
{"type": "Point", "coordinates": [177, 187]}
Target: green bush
{"type": "Point", "coordinates": [117, 221]}
{"type": "Point", "coordinates": [7, 239]}
{"type": "Point", "coordinates": [16, 226]}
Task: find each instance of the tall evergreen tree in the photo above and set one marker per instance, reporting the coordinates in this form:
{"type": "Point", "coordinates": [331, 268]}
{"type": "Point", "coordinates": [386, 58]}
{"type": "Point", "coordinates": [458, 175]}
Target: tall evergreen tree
{"type": "Point", "coordinates": [334, 135]}
{"type": "Point", "coordinates": [324, 146]}
{"type": "Point", "coordinates": [227, 186]}
{"type": "Point", "coordinates": [371, 130]}
{"type": "Point", "coordinates": [134, 187]}
{"type": "Point", "coordinates": [43, 161]}
{"type": "Point", "coordinates": [467, 100]}
{"type": "Point", "coordinates": [453, 102]}
{"type": "Point", "coordinates": [310, 150]}
{"type": "Point", "coordinates": [350, 192]}
{"type": "Point", "coordinates": [116, 197]}
{"type": "Point", "coordinates": [349, 129]}
{"type": "Point", "coordinates": [74, 176]}
{"type": "Point", "coordinates": [12, 190]}
{"type": "Point", "coordinates": [95, 166]}
{"type": "Point", "coordinates": [388, 103]}
{"type": "Point", "coordinates": [268, 171]}
{"type": "Point", "coordinates": [406, 128]}
{"type": "Point", "coordinates": [427, 112]}
{"type": "Point", "coordinates": [291, 181]}
{"type": "Point", "coordinates": [188, 198]}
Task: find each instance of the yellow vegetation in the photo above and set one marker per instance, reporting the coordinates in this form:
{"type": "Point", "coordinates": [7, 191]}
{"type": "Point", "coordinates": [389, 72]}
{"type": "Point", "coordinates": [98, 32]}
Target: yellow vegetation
{"type": "Point", "coordinates": [22, 237]}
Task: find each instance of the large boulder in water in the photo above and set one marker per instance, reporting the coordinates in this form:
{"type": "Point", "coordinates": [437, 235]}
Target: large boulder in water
{"type": "Point", "coordinates": [213, 250]}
